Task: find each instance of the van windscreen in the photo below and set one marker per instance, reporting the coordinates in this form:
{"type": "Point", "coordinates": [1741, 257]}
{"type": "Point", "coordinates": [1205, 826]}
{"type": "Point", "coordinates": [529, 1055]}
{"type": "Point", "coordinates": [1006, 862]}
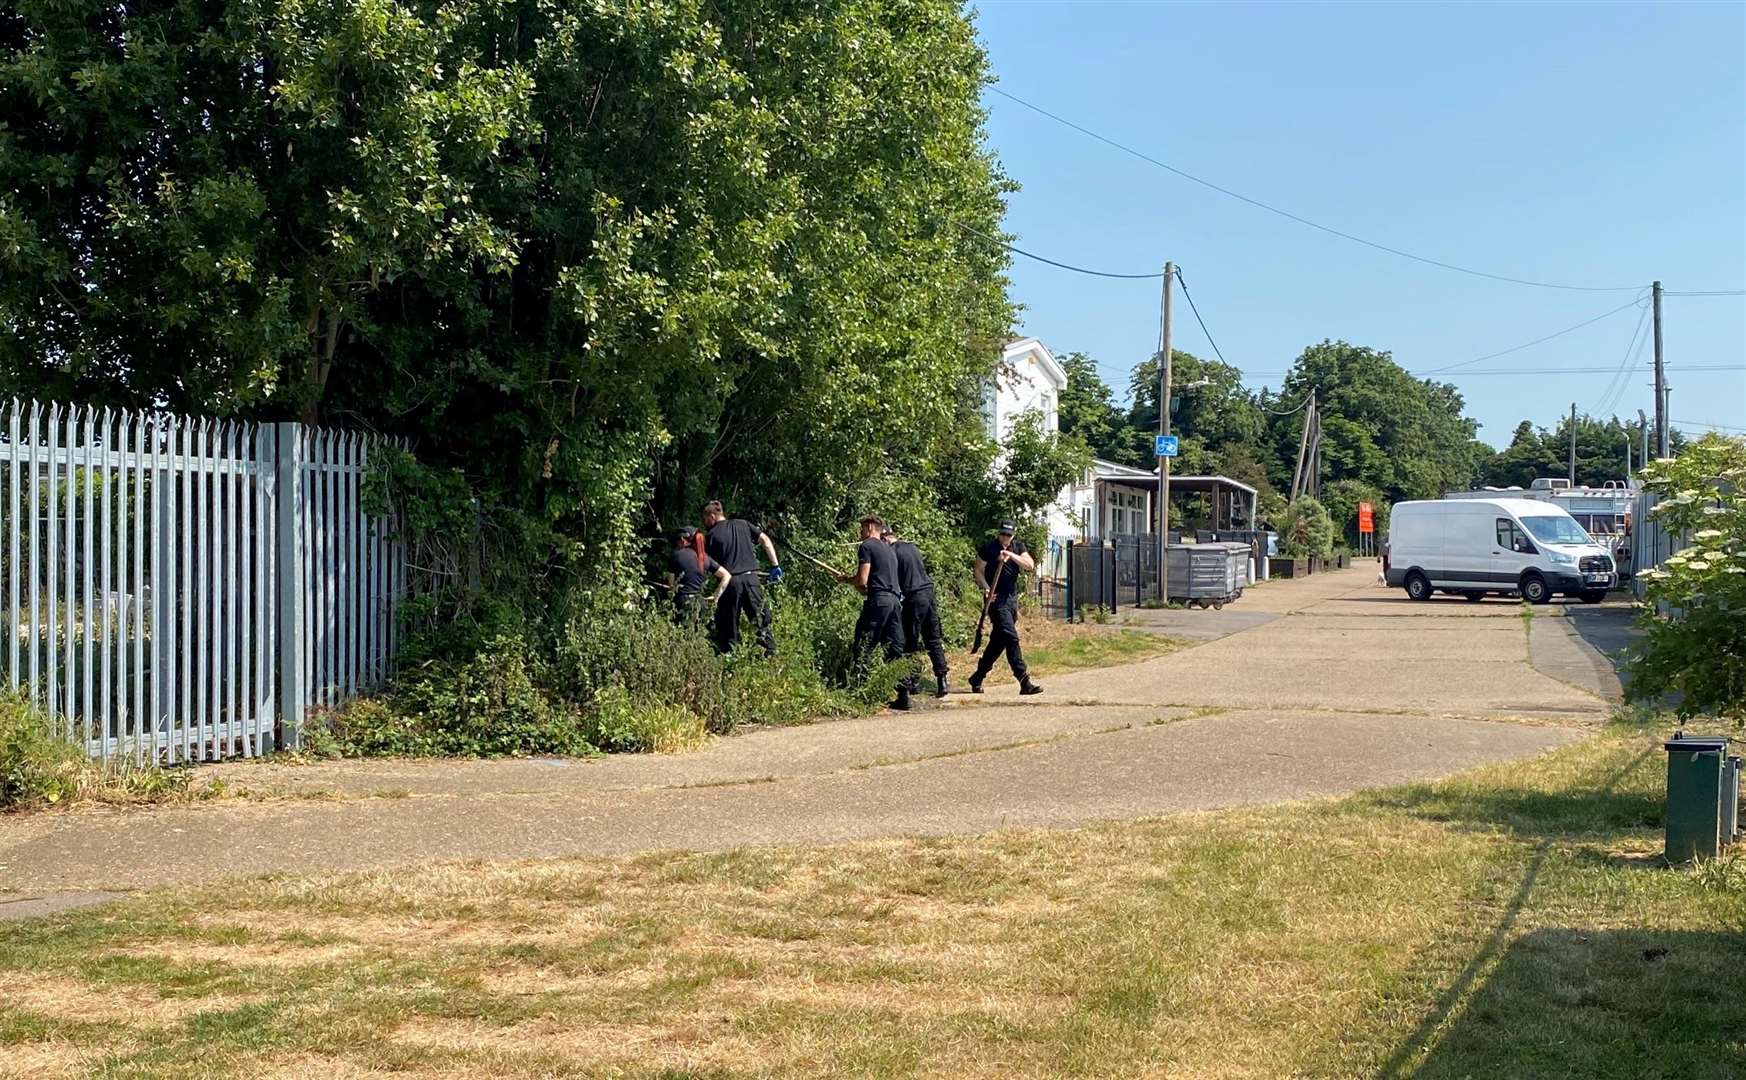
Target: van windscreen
{"type": "Point", "coordinates": [1556, 530]}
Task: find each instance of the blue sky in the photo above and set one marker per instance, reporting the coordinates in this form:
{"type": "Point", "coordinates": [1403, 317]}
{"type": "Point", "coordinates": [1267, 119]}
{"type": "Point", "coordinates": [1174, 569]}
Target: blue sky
{"type": "Point", "coordinates": [1588, 144]}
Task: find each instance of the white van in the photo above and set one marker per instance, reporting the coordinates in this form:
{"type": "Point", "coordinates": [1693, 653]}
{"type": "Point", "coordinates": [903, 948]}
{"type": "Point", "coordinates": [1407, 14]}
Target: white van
{"type": "Point", "coordinates": [1472, 547]}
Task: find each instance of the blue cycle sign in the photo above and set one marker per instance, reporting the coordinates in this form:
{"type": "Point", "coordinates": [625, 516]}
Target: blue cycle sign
{"type": "Point", "coordinates": [1164, 445]}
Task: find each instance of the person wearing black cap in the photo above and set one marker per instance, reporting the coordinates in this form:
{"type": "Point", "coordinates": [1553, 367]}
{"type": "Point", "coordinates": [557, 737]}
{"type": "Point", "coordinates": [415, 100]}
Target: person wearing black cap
{"type": "Point", "coordinates": [921, 618]}
{"type": "Point", "coordinates": [689, 568]}
{"type": "Point", "coordinates": [1003, 559]}
{"type": "Point", "coordinates": [734, 543]}
{"type": "Point", "coordinates": [881, 621]}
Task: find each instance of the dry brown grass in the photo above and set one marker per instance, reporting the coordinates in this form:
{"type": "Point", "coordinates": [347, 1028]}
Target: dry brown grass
{"type": "Point", "coordinates": [1311, 940]}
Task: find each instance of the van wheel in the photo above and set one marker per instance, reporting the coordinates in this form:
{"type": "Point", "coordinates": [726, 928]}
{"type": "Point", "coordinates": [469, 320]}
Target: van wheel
{"type": "Point", "coordinates": [1418, 586]}
{"type": "Point", "coordinates": [1594, 596]}
{"type": "Point", "coordinates": [1534, 590]}
{"type": "Point", "coordinates": [1474, 596]}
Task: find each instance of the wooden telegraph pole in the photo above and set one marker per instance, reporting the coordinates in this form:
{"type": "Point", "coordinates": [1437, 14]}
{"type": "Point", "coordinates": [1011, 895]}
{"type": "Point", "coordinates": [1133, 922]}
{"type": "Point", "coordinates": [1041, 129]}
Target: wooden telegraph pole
{"type": "Point", "coordinates": [1661, 448]}
{"type": "Point", "coordinates": [1164, 429]}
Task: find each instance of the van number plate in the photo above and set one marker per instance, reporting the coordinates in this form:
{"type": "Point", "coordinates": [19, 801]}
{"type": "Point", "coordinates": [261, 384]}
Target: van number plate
{"type": "Point", "coordinates": [1596, 579]}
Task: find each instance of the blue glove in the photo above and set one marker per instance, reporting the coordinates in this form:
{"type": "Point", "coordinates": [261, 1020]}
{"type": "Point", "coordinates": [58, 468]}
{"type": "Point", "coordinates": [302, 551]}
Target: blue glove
{"type": "Point", "coordinates": [776, 574]}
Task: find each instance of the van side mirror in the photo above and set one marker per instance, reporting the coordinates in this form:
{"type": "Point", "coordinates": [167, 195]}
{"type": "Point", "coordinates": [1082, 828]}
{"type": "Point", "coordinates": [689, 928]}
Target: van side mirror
{"type": "Point", "coordinates": [1524, 547]}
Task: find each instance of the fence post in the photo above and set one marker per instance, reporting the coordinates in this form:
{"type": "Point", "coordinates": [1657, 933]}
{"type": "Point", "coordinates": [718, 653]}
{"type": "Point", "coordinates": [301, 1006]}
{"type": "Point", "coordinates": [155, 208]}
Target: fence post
{"type": "Point", "coordinates": [1069, 580]}
{"type": "Point", "coordinates": [288, 525]}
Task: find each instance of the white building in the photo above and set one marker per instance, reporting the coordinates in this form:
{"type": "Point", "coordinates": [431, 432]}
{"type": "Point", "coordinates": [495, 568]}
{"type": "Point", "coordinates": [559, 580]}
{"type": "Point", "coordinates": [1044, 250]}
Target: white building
{"type": "Point", "coordinates": [1110, 499]}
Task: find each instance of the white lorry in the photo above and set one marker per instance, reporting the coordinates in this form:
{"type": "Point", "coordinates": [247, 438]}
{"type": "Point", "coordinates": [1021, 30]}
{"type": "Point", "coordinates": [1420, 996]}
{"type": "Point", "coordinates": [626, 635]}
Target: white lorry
{"type": "Point", "coordinates": [1475, 547]}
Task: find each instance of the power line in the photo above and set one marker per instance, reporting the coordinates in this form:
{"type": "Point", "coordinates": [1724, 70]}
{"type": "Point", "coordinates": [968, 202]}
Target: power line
{"type": "Point", "coordinates": [1695, 423]}
{"type": "Point", "coordinates": [1536, 341]}
{"type": "Point", "coordinates": [1052, 262]}
{"type": "Point", "coordinates": [1209, 338]}
{"type": "Point", "coordinates": [1621, 379]}
{"type": "Point", "coordinates": [1302, 220]}
{"type": "Point", "coordinates": [1708, 292]}
{"type": "Point", "coordinates": [1542, 370]}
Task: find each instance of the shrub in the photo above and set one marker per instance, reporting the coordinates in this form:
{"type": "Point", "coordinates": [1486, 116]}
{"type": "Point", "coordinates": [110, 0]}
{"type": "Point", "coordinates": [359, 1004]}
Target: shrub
{"type": "Point", "coordinates": [1305, 530]}
{"type": "Point", "coordinates": [41, 768]}
{"type": "Point", "coordinates": [37, 767]}
{"type": "Point", "coordinates": [488, 703]}
{"type": "Point", "coordinates": [622, 723]}
{"type": "Point", "coordinates": [1694, 625]}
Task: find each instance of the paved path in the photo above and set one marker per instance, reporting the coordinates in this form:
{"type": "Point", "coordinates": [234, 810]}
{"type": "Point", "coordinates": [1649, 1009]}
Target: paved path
{"type": "Point", "coordinates": [1346, 686]}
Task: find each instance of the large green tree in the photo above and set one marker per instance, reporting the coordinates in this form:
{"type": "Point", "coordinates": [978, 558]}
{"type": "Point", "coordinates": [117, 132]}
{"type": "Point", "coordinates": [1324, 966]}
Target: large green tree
{"type": "Point", "coordinates": [1406, 437]}
{"type": "Point", "coordinates": [603, 257]}
{"type": "Point", "coordinates": [1536, 452]}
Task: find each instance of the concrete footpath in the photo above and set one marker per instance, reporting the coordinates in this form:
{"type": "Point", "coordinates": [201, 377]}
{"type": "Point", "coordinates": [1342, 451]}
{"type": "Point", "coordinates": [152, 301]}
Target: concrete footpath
{"type": "Point", "coordinates": [1344, 686]}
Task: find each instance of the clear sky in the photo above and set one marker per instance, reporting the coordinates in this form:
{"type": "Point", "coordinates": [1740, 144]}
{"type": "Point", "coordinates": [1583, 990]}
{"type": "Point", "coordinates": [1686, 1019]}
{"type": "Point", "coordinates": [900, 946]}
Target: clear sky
{"type": "Point", "coordinates": [1585, 144]}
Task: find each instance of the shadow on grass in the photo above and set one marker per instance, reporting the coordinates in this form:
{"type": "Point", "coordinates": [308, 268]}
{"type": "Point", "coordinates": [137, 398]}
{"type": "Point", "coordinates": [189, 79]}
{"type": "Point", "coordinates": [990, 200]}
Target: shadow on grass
{"type": "Point", "coordinates": [1582, 808]}
{"type": "Point", "coordinates": [1568, 1002]}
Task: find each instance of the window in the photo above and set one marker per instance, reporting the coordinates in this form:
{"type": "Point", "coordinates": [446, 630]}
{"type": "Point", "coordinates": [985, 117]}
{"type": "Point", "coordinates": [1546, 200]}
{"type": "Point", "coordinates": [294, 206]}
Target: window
{"type": "Point", "coordinates": [1127, 512]}
{"type": "Point", "coordinates": [1510, 536]}
{"type": "Point", "coordinates": [1557, 529]}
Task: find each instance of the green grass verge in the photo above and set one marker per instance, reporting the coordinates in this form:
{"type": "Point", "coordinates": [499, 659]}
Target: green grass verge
{"type": "Point", "coordinates": [1513, 921]}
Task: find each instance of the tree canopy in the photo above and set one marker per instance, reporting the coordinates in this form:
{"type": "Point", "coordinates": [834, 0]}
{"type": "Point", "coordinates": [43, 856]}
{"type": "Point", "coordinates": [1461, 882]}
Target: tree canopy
{"type": "Point", "coordinates": [604, 258]}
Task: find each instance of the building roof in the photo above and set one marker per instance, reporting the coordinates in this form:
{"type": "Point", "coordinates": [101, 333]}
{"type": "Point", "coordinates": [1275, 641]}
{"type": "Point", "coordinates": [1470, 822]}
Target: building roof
{"type": "Point", "coordinates": [1031, 347]}
{"type": "Point", "coordinates": [1139, 479]}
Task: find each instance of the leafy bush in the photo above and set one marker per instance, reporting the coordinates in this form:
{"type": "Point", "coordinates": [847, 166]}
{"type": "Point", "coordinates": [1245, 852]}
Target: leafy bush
{"type": "Point", "coordinates": [1694, 625]}
{"type": "Point", "coordinates": [41, 768]}
{"type": "Point", "coordinates": [37, 768]}
{"type": "Point", "coordinates": [621, 722]}
{"type": "Point", "coordinates": [1305, 530]}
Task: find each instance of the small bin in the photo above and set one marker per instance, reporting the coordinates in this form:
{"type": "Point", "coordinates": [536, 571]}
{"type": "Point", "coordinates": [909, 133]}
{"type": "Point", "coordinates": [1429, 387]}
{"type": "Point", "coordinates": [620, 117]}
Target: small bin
{"type": "Point", "coordinates": [1694, 796]}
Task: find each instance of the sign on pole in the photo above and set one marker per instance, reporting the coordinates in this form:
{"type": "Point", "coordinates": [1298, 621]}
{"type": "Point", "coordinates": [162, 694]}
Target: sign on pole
{"type": "Point", "coordinates": [1366, 518]}
{"type": "Point", "coordinates": [1164, 445]}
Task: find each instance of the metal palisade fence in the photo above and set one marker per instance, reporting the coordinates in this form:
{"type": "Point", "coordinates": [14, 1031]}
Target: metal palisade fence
{"type": "Point", "coordinates": [183, 589]}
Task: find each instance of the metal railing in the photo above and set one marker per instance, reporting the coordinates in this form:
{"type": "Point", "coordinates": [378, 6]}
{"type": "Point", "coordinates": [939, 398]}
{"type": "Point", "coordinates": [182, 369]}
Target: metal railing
{"type": "Point", "coordinates": [183, 589]}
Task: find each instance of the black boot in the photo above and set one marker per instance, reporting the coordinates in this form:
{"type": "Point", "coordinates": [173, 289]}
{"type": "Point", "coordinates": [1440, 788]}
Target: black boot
{"type": "Point", "coordinates": [1028, 688]}
{"type": "Point", "coordinates": [902, 702]}
{"type": "Point", "coordinates": [976, 684]}
{"type": "Point", "coordinates": [940, 686]}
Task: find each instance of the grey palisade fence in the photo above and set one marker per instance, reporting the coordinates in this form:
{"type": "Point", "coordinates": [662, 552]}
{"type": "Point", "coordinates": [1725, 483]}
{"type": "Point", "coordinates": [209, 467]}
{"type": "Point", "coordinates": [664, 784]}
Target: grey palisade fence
{"type": "Point", "coordinates": [184, 589]}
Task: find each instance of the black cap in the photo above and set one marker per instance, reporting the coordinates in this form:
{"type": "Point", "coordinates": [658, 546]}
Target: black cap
{"type": "Point", "coordinates": [1007, 528]}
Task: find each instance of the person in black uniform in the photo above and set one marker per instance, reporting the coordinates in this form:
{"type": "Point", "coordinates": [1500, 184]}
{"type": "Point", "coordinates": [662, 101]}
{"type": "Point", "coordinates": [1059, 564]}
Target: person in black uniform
{"type": "Point", "coordinates": [734, 543]}
{"type": "Point", "coordinates": [921, 617]}
{"type": "Point", "coordinates": [687, 571]}
{"type": "Point", "coordinates": [999, 564]}
{"type": "Point", "coordinates": [881, 621]}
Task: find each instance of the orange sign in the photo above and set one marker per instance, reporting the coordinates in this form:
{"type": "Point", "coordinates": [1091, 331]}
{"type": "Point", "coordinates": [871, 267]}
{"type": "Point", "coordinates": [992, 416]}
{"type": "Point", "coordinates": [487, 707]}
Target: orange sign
{"type": "Point", "coordinates": [1366, 518]}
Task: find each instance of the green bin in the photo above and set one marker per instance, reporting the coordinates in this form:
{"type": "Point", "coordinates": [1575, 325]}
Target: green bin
{"type": "Point", "coordinates": [1694, 788]}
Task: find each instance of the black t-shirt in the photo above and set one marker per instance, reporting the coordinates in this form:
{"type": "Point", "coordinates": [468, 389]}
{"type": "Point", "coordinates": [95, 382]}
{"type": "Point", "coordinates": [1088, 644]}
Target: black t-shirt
{"type": "Point", "coordinates": [734, 544]}
{"type": "Point", "coordinates": [1003, 577]}
{"type": "Point", "coordinates": [912, 575]}
{"type": "Point", "coordinates": [876, 555]}
{"type": "Point", "coordinates": [690, 578]}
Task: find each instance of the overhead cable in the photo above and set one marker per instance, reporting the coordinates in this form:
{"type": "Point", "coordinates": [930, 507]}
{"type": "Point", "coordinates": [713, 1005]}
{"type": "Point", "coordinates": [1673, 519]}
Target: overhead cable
{"type": "Point", "coordinates": [1209, 338]}
{"type": "Point", "coordinates": [1536, 341]}
{"type": "Point", "coordinates": [1299, 219]}
{"type": "Point", "coordinates": [1052, 262]}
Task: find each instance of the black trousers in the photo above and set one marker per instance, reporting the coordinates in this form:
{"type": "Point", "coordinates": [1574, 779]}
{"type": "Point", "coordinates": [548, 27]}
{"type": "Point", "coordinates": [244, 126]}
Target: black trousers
{"type": "Point", "coordinates": [1002, 638]}
{"type": "Point", "coordinates": [740, 596]}
{"type": "Point", "coordinates": [921, 626]}
{"type": "Point", "coordinates": [880, 625]}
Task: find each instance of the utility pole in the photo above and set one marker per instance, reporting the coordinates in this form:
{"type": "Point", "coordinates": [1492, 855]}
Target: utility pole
{"type": "Point", "coordinates": [1297, 472]}
{"type": "Point", "coordinates": [1661, 449]}
{"type": "Point", "coordinates": [1643, 426]}
{"type": "Point", "coordinates": [1164, 429]}
{"type": "Point", "coordinates": [1573, 444]}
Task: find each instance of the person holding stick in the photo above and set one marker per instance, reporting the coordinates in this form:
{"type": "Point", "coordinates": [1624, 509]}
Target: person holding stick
{"type": "Point", "coordinates": [881, 621]}
{"type": "Point", "coordinates": [688, 570]}
{"type": "Point", "coordinates": [1006, 559]}
{"type": "Point", "coordinates": [921, 618]}
{"type": "Point", "coordinates": [733, 542]}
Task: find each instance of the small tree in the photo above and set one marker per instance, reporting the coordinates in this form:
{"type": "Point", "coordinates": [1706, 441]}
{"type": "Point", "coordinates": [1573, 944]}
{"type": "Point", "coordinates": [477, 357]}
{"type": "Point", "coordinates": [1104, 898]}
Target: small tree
{"type": "Point", "coordinates": [1694, 624]}
{"type": "Point", "coordinates": [1306, 530]}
